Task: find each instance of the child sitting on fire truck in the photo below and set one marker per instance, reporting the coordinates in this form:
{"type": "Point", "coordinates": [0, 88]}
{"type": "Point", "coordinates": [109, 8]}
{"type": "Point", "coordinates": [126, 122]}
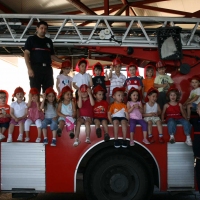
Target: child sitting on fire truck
{"type": "Point", "coordinates": [85, 105]}
{"type": "Point", "coordinates": [100, 110]}
{"type": "Point", "coordinates": [4, 113]}
{"type": "Point", "coordinates": [174, 114]}
{"type": "Point", "coordinates": [66, 110]}
{"type": "Point", "coordinates": [118, 114]}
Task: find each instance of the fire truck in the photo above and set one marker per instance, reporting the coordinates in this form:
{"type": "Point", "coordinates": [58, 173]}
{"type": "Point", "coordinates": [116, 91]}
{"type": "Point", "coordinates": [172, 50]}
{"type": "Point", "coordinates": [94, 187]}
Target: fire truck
{"type": "Point", "coordinates": [108, 173]}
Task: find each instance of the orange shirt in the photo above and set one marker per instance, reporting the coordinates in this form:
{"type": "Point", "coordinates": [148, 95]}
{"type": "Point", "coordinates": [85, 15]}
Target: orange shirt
{"type": "Point", "coordinates": [118, 110]}
{"type": "Point", "coordinates": [148, 83]}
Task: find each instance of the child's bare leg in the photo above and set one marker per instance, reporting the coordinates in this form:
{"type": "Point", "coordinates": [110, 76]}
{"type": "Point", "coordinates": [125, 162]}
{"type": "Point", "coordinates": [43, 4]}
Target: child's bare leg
{"type": "Point", "coordinates": [21, 128]}
{"type": "Point", "coordinates": [78, 125]}
{"type": "Point", "coordinates": [61, 124]}
{"type": "Point", "coordinates": [11, 129]}
{"type": "Point", "coordinates": [39, 132]}
{"type": "Point", "coordinates": [124, 128]}
{"type": "Point", "coordinates": [159, 125]}
{"type": "Point", "coordinates": [87, 127]}
{"type": "Point", "coordinates": [189, 106]}
{"type": "Point", "coordinates": [44, 130]}
{"type": "Point", "coordinates": [105, 126]}
{"type": "Point", "coordinates": [97, 123]}
{"type": "Point", "coordinates": [149, 127]}
{"type": "Point", "coordinates": [145, 134]}
{"type": "Point", "coordinates": [2, 130]}
{"type": "Point", "coordinates": [54, 134]}
{"type": "Point", "coordinates": [131, 136]}
{"type": "Point", "coordinates": [116, 128]}
{"type": "Point", "coordinates": [27, 134]}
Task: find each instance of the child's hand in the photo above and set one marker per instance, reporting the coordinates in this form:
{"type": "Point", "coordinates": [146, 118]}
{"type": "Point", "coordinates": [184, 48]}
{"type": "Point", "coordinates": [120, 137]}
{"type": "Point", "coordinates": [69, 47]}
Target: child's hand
{"type": "Point", "coordinates": [44, 96]}
{"type": "Point", "coordinates": [111, 68]}
{"type": "Point", "coordinates": [89, 91]}
{"type": "Point", "coordinates": [106, 72]}
{"type": "Point", "coordinates": [30, 96]}
{"type": "Point", "coordinates": [79, 92]}
{"type": "Point", "coordinates": [136, 106]}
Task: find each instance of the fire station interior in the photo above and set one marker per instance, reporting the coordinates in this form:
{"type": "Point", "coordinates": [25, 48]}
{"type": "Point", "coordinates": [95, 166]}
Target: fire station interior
{"type": "Point", "coordinates": [92, 33]}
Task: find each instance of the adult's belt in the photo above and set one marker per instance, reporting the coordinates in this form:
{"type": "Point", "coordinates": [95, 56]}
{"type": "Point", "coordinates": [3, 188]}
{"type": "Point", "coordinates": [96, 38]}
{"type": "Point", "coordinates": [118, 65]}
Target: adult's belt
{"type": "Point", "coordinates": [42, 64]}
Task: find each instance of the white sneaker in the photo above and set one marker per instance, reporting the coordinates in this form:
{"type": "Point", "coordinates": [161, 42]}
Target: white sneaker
{"type": "Point", "coordinates": [76, 143]}
{"type": "Point", "coordinates": [38, 140]}
{"type": "Point", "coordinates": [1, 136]}
{"type": "Point", "coordinates": [9, 140]}
{"type": "Point", "coordinates": [20, 138]}
{"type": "Point", "coordinates": [188, 142]}
{"type": "Point", "coordinates": [26, 139]}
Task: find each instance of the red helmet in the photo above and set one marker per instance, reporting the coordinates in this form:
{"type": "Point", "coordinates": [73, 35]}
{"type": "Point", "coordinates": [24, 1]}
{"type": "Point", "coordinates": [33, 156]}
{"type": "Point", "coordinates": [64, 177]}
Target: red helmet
{"type": "Point", "coordinates": [160, 63]}
{"type": "Point", "coordinates": [66, 63]}
{"type": "Point", "coordinates": [116, 61]}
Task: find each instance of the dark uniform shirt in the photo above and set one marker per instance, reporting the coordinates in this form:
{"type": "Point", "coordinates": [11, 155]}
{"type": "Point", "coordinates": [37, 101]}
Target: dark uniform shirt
{"type": "Point", "coordinates": [99, 80]}
{"type": "Point", "coordinates": [40, 49]}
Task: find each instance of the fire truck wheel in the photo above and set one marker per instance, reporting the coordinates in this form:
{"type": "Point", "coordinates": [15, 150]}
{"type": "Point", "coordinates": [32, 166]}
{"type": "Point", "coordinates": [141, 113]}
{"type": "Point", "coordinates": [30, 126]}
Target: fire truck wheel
{"type": "Point", "coordinates": [116, 177]}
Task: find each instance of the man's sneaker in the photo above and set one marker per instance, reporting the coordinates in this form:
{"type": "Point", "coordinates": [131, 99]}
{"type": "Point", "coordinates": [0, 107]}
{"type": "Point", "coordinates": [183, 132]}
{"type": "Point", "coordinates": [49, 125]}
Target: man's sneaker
{"type": "Point", "coordinates": [132, 143]}
{"type": "Point", "coordinates": [59, 132]}
{"type": "Point", "coordinates": [161, 139]}
{"type": "Point", "coordinates": [38, 140]}
{"type": "Point", "coordinates": [172, 140]}
{"type": "Point", "coordinates": [2, 136]}
{"type": "Point", "coordinates": [145, 141]}
{"type": "Point", "coordinates": [71, 135]}
{"type": "Point", "coordinates": [53, 143]}
{"type": "Point", "coordinates": [106, 137]}
{"type": "Point", "coordinates": [116, 144]}
{"type": "Point", "coordinates": [87, 140]}
{"type": "Point", "coordinates": [20, 138]}
{"type": "Point", "coordinates": [188, 142]}
{"type": "Point", "coordinates": [76, 142]}
{"type": "Point", "coordinates": [26, 139]}
{"type": "Point", "coordinates": [151, 139]}
{"type": "Point", "coordinates": [124, 144]}
{"type": "Point", "coordinates": [45, 141]}
{"type": "Point", "coordinates": [9, 140]}
{"type": "Point", "coordinates": [98, 132]}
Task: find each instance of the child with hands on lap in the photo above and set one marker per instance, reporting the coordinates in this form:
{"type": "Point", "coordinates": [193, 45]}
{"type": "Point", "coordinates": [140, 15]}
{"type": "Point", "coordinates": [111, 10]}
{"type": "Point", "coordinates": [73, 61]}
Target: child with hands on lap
{"type": "Point", "coordinates": [4, 113]}
{"type": "Point", "coordinates": [151, 114]}
{"type": "Point", "coordinates": [118, 114]}
{"type": "Point", "coordinates": [174, 113]}
{"type": "Point", "coordinates": [18, 113]}
{"type": "Point", "coordinates": [49, 104]}
{"type": "Point", "coordinates": [66, 110]}
{"type": "Point", "coordinates": [85, 105]}
{"type": "Point", "coordinates": [135, 111]}
{"type": "Point", "coordinates": [35, 114]}
{"type": "Point", "coordinates": [100, 110]}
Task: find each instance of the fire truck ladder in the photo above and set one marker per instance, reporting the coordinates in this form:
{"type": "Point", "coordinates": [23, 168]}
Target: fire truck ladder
{"type": "Point", "coordinates": [84, 30]}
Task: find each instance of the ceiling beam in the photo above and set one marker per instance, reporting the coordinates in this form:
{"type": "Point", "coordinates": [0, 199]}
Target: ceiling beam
{"type": "Point", "coordinates": [82, 7]}
{"type": "Point", "coordinates": [177, 12]}
{"type": "Point", "coordinates": [117, 6]}
{"type": "Point", "coordinates": [106, 7]}
{"type": "Point", "coordinates": [6, 9]}
{"type": "Point", "coordinates": [138, 3]}
{"type": "Point", "coordinates": [121, 10]}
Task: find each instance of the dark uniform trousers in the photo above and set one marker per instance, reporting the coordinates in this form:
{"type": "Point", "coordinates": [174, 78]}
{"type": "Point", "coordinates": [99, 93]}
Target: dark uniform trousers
{"type": "Point", "coordinates": [43, 76]}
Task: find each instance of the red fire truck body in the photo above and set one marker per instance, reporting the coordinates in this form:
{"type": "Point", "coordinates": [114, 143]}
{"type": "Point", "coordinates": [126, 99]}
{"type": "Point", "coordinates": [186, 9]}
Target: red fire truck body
{"type": "Point", "coordinates": [108, 173]}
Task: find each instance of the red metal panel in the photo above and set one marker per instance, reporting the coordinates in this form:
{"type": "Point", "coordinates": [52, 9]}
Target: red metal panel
{"type": "Point", "coordinates": [106, 7]}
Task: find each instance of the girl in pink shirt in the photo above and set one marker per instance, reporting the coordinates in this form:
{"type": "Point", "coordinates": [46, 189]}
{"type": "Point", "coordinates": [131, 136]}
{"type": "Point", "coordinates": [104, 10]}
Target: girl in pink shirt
{"type": "Point", "coordinates": [85, 104]}
{"type": "Point", "coordinates": [135, 110]}
{"type": "Point", "coordinates": [35, 114]}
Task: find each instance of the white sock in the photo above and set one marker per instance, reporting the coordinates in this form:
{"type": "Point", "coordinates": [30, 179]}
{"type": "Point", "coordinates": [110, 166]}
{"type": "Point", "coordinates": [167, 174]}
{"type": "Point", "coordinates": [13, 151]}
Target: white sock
{"type": "Point", "coordinates": [9, 135]}
{"type": "Point", "coordinates": [171, 136]}
{"type": "Point", "coordinates": [21, 134]}
{"type": "Point", "coordinates": [54, 138]}
{"type": "Point", "coordinates": [45, 137]}
{"type": "Point", "coordinates": [188, 137]}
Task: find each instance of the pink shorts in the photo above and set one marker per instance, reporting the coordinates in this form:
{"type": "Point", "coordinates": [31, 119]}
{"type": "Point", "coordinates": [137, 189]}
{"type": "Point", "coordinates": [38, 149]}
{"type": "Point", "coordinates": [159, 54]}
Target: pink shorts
{"type": "Point", "coordinates": [12, 121]}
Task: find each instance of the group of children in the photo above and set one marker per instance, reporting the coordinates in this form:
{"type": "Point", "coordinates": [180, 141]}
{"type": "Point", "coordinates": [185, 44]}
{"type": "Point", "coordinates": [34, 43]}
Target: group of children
{"type": "Point", "coordinates": [152, 100]}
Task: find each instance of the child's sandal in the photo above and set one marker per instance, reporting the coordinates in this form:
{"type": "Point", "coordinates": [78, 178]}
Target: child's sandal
{"type": "Point", "coordinates": [88, 140]}
{"type": "Point", "coordinates": [76, 143]}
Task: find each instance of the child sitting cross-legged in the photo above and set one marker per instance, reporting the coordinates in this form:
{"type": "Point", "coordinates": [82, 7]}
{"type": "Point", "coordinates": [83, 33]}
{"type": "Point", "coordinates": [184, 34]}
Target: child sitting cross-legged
{"type": "Point", "coordinates": [151, 114]}
{"type": "Point", "coordinates": [118, 114]}
{"type": "Point", "coordinates": [66, 110]}
{"type": "Point", "coordinates": [85, 105]}
{"type": "Point", "coordinates": [100, 110]}
{"type": "Point", "coordinates": [174, 113]}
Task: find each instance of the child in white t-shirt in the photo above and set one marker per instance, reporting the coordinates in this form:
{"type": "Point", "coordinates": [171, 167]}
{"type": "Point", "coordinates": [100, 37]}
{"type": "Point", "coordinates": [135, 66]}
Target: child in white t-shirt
{"type": "Point", "coordinates": [63, 79]}
{"type": "Point", "coordinates": [18, 113]}
{"type": "Point", "coordinates": [194, 98]}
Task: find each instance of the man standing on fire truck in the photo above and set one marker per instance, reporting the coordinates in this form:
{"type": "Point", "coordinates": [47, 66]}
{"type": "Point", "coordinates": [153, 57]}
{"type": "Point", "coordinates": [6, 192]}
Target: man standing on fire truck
{"type": "Point", "coordinates": [38, 55]}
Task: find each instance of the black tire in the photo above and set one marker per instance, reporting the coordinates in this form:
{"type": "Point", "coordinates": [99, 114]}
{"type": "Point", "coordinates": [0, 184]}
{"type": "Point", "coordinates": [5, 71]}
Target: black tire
{"type": "Point", "coordinates": [116, 176]}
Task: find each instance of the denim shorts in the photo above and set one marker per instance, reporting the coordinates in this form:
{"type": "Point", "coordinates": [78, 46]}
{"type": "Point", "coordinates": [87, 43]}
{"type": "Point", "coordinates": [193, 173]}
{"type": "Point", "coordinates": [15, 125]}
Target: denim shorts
{"type": "Point", "coordinates": [53, 124]}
